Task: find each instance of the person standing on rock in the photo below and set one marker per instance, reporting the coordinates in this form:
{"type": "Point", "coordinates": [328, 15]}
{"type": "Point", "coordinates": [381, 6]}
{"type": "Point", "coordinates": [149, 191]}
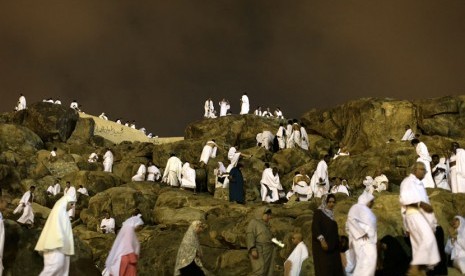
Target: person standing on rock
{"type": "Point", "coordinates": [71, 192]}
{"type": "Point", "coordinates": [425, 158]}
{"type": "Point", "coordinates": [293, 264]}
{"type": "Point", "coordinates": [140, 175]}
{"type": "Point", "coordinates": [3, 205]}
{"type": "Point", "coordinates": [224, 106]}
{"type": "Point", "coordinates": [320, 179]}
{"type": "Point", "coordinates": [419, 220]}
{"type": "Point", "coordinates": [209, 150]}
{"type": "Point", "coordinates": [21, 102]}
{"type": "Point", "coordinates": [188, 259]}
{"type": "Point", "coordinates": [25, 205]}
{"type": "Point", "coordinates": [259, 243]}
{"type": "Point", "coordinates": [108, 161]}
{"type": "Point", "coordinates": [124, 254]}
{"type": "Point", "coordinates": [361, 227]}
{"type": "Point", "coordinates": [172, 173]}
{"type": "Point", "coordinates": [457, 168]}
{"type": "Point", "coordinates": [281, 134]}
{"type": "Point", "coordinates": [245, 105]}
{"type": "Point", "coordinates": [56, 241]}
{"type": "Point", "coordinates": [236, 185]}
{"type": "Point", "coordinates": [325, 239]}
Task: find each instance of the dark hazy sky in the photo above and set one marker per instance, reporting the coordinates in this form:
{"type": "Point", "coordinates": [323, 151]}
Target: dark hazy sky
{"type": "Point", "coordinates": [157, 61]}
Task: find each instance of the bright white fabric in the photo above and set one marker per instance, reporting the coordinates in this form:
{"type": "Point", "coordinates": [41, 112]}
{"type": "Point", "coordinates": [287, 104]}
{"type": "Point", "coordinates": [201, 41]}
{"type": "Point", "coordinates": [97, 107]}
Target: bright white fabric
{"type": "Point", "coordinates": [233, 156]}
{"type": "Point", "coordinates": [340, 189]}
{"type": "Point", "coordinates": [419, 224]}
{"type": "Point", "coordinates": [93, 157]}
{"type": "Point", "coordinates": [209, 150]}
{"type": "Point", "coordinates": [57, 232]}
{"type": "Point", "coordinates": [83, 191]}
{"type": "Point", "coordinates": [25, 205]}
{"type": "Point", "coordinates": [245, 107]}
{"type": "Point", "coordinates": [298, 255]}
{"type": "Point", "coordinates": [351, 262]}
{"type": "Point", "coordinates": [140, 175]}
{"type": "Point", "coordinates": [321, 171]}
{"type": "Point", "coordinates": [55, 263]}
{"type": "Point", "coordinates": [440, 179]}
{"type": "Point", "coordinates": [153, 173]}
{"type": "Point", "coordinates": [304, 139]}
{"type": "Point", "coordinates": [108, 161]}
{"type": "Point", "coordinates": [456, 248]}
{"type": "Point", "coordinates": [361, 221]}
{"type": "Point", "coordinates": [265, 138]}
{"type": "Point", "coordinates": [22, 103]}
{"type": "Point", "coordinates": [109, 225]}
{"type": "Point", "coordinates": [224, 106]}
{"type": "Point", "coordinates": [408, 135]}
{"type": "Point", "coordinates": [172, 173]}
{"type": "Point", "coordinates": [457, 172]}
{"type": "Point", "coordinates": [2, 242]}
{"type": "Point", "coordinates": [281, 139]}
{"type": "Point", "coordinates": [301, 188]}
{"type": "Point", "coordinates": [188, 177]}
{"type": "Point", "coordinates": [425, 158]}
{"type": "Point", "coordinates": [273, 183]}
{"type": "Point", "coordinates": [126, 242]}
{"type": "Point", "coordinates": [102, 116]}
{"type": "Point", "coordinates": [55, 189]}
{"type": "Point", "coordinates": [71, 192]}
{"type": "Point", "coordinates": [73, 105]}
{"type": "Point", "coordinates": [381, 182]}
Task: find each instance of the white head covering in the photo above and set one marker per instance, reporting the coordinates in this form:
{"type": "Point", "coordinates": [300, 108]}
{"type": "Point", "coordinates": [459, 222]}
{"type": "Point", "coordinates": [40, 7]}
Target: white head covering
{"type": "Point", "coordinates": [58, 232]}
{"type": "Point", "coordinates": [461, 229]}
{"type": "Point", "coordinates": [221, 167]}
{"type": "Point", "coordinates": [126, 242]}
{"type": "Point", "coordinates": [189, 249]}
{"type": "Point", "coordinates": [365, 198]}
{"type": "Point", "coordinates": [368, 181]}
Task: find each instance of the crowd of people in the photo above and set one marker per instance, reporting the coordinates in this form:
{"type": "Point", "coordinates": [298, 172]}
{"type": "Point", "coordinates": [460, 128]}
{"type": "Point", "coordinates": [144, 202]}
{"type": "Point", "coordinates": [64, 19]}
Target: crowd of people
{"type": "Point", "coordinates": [358, 253]}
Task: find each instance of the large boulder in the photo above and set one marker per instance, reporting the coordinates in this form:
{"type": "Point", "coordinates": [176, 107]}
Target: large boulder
{"type": "Point", "coordinates": [52, 122]}
{"type": "Point", "coordinates": [19, 139]}
{"type": "Point", "coordinates": [94, 181]}
{"type": "Point", "coordinates": [83, 131]}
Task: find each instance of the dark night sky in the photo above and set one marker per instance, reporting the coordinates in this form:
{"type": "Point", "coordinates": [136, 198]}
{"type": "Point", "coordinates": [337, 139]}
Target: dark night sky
{"type": "Point", "coordinates": [157, 61]}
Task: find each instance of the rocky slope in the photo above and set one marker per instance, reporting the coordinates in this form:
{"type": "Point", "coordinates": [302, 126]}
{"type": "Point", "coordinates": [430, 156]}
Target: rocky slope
{"type": "Point", "coordinates": [363, 126]}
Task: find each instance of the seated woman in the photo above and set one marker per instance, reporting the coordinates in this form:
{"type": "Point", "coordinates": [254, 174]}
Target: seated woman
{"type": "Point", "coordinates": [455, 246]}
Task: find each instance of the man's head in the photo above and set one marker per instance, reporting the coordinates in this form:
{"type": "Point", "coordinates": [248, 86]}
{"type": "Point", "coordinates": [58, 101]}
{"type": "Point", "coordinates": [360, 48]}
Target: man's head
{"type": "Point", "coordinates": [435, 159]}
{"type": "Point", "coordinates": [80, 186]}
{"type": "Point", "coordinates": [275, 171]}
{"type": "Point", "coordinates": [327, 158]}
{"type": "Point", "coordinates": [454, 146]}
{"type": "Point", "coordinates": [267, 165]}
{"type": "Point", "coordinates": [266, 215]}
{"type": "Point", "coordinates": [415, 142]}
{"type": "Point", "coordinates": [150, 163]}
{"type": "Point", "coordinates": [136, 212]}
{"type": "Point", "coordinates": [407, 127]}
{"type": "Point", "coordinates": [106, 214]}
{"type": "Point", "coordinates": [68, 184]}
{"type": "Point", "coordinates": [32, 188]}
{"type": "Point", "coordinates": [296, 238]}
{"type": "Point", "coordinates": [419, 170]}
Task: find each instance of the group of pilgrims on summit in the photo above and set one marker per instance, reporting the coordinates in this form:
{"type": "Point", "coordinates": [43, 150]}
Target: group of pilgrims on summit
{"type": "Point", "coordinates": [358, 253]}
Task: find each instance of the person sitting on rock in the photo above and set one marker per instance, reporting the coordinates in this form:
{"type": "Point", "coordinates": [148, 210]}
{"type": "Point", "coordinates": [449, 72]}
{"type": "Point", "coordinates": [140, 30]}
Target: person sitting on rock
{"type": "Point", "coordinates": [338, 187]}
{"type": "Point", "coordinates": [270, 184]}
{"type": "Point", "coordinates": [153, 173]}
{"type": "Point", "coordinates": [74, 105]}
{"type": "Point", "coordinates": [320, 180]}
{"type": "Point", "coordinates": [188, 177]}
{"type": "Point", "coordinates": [83, 191]}
{"type": "Point", "coordinates": [455, 246]}
{"type": "Point", "coordinates": [368, 182]}
{"type": "Point", "coordinates": [278, 113]}
{"type": "Point", "coordinates": [258, 111]}
{"type": "Point", "coordinates": [342, 151]}
{"type": "Point", "coordinates": [140, 175]}
{"type": "Point", "coordinates": [300, 187]}
{"type": "Point", "coordinates": [439, 172]}
{"type": "Point", "coordinates": [380, 182]}
{"type": "Point", "coordinates": [103, 116]}
{"type": "Point", "coordinates": [25, 205]}
{"type": "Point", "coordinates": [108, 224]}
{"type": "Point", "coordinates": [53, 155]}
{"type": "Point", "coordinates": [55, 189]}
{"type": "Point", "coordinates": [93, 157]}
{"type": "Point", "coordinates": [267, 113]}
{"type": "Point", "coordinates": [265, 139]}
{"type": "Point", "coordinates": [209, 150]}
{"type": "Point", "coordinates": [221, 180]}
{"type": "Point", "coordinates": [409, 135]}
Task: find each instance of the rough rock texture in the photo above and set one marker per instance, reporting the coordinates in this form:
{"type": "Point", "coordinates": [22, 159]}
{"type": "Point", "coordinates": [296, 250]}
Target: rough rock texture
{"type": "Point", "coordinates": [364, 126]}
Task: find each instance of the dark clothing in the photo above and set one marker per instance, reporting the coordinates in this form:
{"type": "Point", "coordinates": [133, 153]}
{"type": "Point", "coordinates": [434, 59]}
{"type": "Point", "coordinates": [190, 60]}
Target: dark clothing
{"type": "Point", "coordinates": [441, 267]}
{"type": "Point", "coordinates": [395, 261]}
{"type": "Point", "coordinates": [236, 186]}
{"type": "Point", "coordinates": [327, 263]}
{"type": "Point", "coordinates": [192, 270]}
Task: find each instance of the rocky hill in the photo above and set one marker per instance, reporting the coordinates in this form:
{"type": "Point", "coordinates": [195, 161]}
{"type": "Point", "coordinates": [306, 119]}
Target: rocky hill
{"type": "Point", "coordinates": [363, 126]}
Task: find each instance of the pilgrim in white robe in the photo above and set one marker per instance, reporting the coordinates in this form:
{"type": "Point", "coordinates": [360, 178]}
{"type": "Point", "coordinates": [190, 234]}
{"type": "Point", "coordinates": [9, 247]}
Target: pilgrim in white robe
{"type": "Point", "coordinates": [340, 189]}
{"type": "Point", "coordinates": [188, 177]}
{"type": "Point", "coordinates": [25, 205]}
{"type": "Point", "coordinates": [153, 173]}
{"type": "Point", "coordinates": [440, 176]}
{"type": "Point", "coordinates": [83, 191]}
{"type": "Point", "coordinates": [220, 175]}
{"type": "Point", "coordinates": [54, 190]}
{"type": "Point", "coordinates": [258, 112]}
{"type": "Point", "coordinates": [289, 141]}
{"type": "Point", "coordinates": [103, 116]}
{"type": "Point", "coordinates": [351, 262]}
{"type": "Point", "coordinates": [56, 241]}
{"type": "Point", "coordinates": [265, 139]}
{"type": "Point", "coordinates": [408, 135]}
{"type": "Point", "coordinates": [304, 139]}
{"type": "Point", "coordinates": [418, 223]}
{"type": "Point", "coordinates": [126, 243]}
{"type": "Point", "coordinates": [21, 103]}
{"type": "Point", "coordinates": [209, 150]}
{"type": "Point", "coordinates": [456, 247]}
{"type": "Point", "coordinates": [74, 105]}
{"type": "Point", "coordinates": [270, 182]}
{"type": "Point", "coordinates": [425, 158]}
{"type": "Point", "coordinates": [281, 137]}
{"type": "Point", "coordinates": [361, 227]}
{"type": "Point", "coordinates": [279, 114]}
{"type": "Point", "coordinates": [245, 107]}
{"type": "Point", "coordinates": [321, 172]}
{"type": "Point", "coordinates": [93, 157]}
{"type": "Point", "coordinates": [172, 173]}
{"type": "Point", "coordinates": [140, 175]}
{"type": "Point", "coordinates": [301, 187]}
{"type": "Point", "coordinates": [108, 161]}
{"type": "Point", "coordinates": [233, 156]}
{"type": "Point", "coordinates": [2, 242]}
{"type": "Point", "coordinates": [107, 225]}
{"type": "Point", "coordinates": [341, 153]}
{"type": "Point", "coordinates": [297, 257]}
{"type": "Point", "coordinates": [457, 172]}
{"type": "Point", "coordinates": [71, 193]}
{"type": "Point", "coordinates": [224, 106]}
{"type": "Point", "coordinates": [381, 183]}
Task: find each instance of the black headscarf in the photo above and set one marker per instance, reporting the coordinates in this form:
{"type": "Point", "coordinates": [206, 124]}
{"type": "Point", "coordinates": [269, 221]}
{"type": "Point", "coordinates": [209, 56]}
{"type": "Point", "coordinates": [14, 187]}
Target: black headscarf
{"type": "Point", "coordinates": [395, 260]}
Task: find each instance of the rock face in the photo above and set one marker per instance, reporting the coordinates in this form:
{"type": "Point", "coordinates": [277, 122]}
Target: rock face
{"type": "Point", "coordinates": [364, 126]}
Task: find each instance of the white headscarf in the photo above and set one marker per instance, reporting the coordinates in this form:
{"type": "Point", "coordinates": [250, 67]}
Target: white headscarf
{"type": "Point", "coordinates": [125, 243]}
{"type": "Point", "coordinates": [58, 232]}
{"type": "Point", "coordinates": [365, 198]}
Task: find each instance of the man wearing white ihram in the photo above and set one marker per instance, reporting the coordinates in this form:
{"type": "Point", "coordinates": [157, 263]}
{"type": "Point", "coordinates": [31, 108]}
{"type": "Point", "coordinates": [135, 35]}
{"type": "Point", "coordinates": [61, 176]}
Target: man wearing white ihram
{"type": "Point", "coordinates": [209, 150]}
{"type": "Point", "coordinates": [457, 169]}
{"type": "Point", "coordinates": [425, 158]}
{"type": "Point", "coordinates": [419, 220]}
{"type": "Point", "coordinates": [245, 106]}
